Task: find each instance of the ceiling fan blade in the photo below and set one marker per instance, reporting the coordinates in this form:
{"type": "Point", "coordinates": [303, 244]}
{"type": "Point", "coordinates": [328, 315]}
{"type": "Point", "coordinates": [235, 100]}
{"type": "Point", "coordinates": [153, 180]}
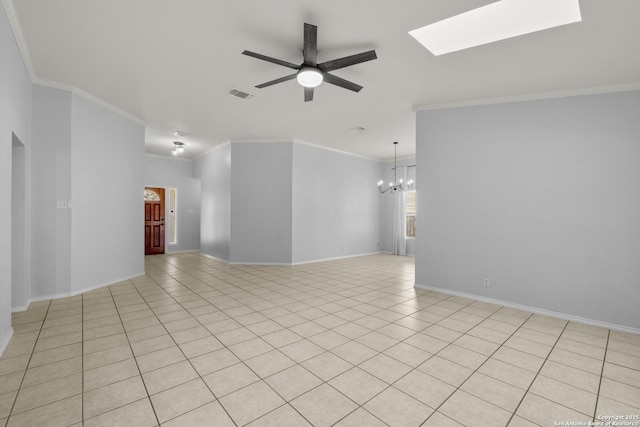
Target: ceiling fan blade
{"type": "Point", "coordinates": [272, 60]}
{"type": "Point", "coordinates": [338, 81]}
{"type": "Point", "coordinates": [310, 50]}
{"type": "Point", "coordinates": [276, 81]}
{"type": "Point", "coordinates": [348, 61]}
{"type": "Point", "coordinates": [308, 94]}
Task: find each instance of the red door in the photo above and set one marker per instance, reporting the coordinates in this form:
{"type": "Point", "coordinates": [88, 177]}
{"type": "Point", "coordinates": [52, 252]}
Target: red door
{"type": "Point", "coordinates": [153, 221]}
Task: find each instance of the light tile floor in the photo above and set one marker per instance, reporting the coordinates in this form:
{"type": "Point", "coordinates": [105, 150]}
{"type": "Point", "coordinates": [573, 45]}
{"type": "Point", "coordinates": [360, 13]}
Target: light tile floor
{"type": "Point", "coordinates": [346, 343]}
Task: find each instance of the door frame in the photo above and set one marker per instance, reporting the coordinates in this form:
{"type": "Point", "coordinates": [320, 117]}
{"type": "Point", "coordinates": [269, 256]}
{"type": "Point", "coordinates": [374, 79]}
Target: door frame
{"type": "Point", "coordinates": [163, 195]}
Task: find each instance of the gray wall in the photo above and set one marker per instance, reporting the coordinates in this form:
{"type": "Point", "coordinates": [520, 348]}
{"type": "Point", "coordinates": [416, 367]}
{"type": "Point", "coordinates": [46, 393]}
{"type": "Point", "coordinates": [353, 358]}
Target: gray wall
{"type": "Point", "coordinates": [287, 203]}
{"type": "Point", "coordinates": [214, 172]}
{"type": "Point", "coordinates": [107, 169]}
{"type": "Point", "coordinates": [386, 205]}
{"type": "Point", "coordinates": [261, 202]}
{"type": "Point", "coordinates": [336, 206]}
{"type": "Point", "coordinates": [15, 113]}
{"type": "Point", "coordinates": [540, 197]}
{"type": "Point", "coordinates": [51, 181]}
{"type": "Point", "coordinates": [19, 221]}
{"type": "Point", "coordinates": [172, 172]}
{"type": "Point", "coordinates": [91, 157]}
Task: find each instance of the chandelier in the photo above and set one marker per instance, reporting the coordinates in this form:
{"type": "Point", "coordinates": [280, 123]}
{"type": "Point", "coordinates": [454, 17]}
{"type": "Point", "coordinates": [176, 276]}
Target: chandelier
{"type": "Point", "coordinates": [395, 185]}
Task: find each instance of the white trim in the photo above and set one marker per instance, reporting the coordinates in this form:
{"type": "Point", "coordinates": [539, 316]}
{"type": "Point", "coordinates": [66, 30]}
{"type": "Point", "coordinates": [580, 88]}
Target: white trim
{"type": "Point", "coordinates": [400, 159]}
{"type": "Point", "coordinates": [627, 87]}
{"type": "Point", "coordinates": [18, 35]}
{"type": "Point", "coordinates": [21, 307]}
{"type": "Point", "coordinates": [168, 156]}
{"type": "Point", "coordinates": [52, 85]}
{"type": "Point", "coordinates": [293, 264]}
{"type": "Point", "coordinates": [5, 340]}
{"type": "Point", "coordinates": [262, 140]}
{"type": "Point", "coordinates": [96, 100]}
{"type": "Point", "coordinates": [391, 253]}
{"type": "Point", "coordinates": [185, 251]}
{"type": "Point", "coordinates": [210, 150]}
{"type": "Point", "coordinates": [23, 47]}
{"type": "Point", "coordinates": [288, 141]}
{"type": "Point", "coordinates": [81, 291]}
{"type": "Point", "coordinates": [214, 258]}
{"type": "Point", "coordinates": [336, 258]}
{"type": "Point", "coordinates": [563, 316]}
{"type": "Point", "coordinates": [336, 150]}
{"type": "Point", "coordinates": [175, 218]}
{"type": "Point", "coordinates": [89, 97]}
{"type": "Point", "coordinates": [283, 264]}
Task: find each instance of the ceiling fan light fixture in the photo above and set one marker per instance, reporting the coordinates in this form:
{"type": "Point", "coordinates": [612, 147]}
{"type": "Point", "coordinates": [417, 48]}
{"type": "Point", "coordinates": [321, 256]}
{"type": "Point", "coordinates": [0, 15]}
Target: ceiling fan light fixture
{"type": "Point", "coordinates": [309, 77]}
{"type": "Point", "coordinates": [178, 148]}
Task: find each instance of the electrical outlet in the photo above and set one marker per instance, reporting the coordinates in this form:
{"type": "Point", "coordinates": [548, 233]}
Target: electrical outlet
{"type": "Point", "coordinates": [485, 283]}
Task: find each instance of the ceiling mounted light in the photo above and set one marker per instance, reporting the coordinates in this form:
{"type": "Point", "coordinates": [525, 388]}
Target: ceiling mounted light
{"type": "Point", "coordinates": [494, 22]}
{"type": "Point", "coordinates": [178, 148]}
{"type": "Point", "coordinates": [309, 77]}
{"type": "Point", "coordinates": [395, 185]}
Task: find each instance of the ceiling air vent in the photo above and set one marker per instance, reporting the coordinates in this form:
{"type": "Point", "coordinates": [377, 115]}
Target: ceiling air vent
{"type": "Point", "coordinates": [240, 94]}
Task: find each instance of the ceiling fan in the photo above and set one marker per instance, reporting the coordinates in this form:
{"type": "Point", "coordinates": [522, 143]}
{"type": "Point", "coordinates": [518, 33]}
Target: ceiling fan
{"type": "Point", "coordinates": [310, 74]}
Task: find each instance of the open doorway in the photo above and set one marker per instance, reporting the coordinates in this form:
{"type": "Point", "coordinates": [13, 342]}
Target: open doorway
{"type": "Point", "coordinates": [153, 220]}
{"type": "Point", "coordinates": [19, 289]}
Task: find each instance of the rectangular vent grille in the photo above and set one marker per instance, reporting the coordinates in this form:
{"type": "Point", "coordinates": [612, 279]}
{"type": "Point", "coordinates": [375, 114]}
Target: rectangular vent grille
{"type": "Point", "coordinates": [240, 94]}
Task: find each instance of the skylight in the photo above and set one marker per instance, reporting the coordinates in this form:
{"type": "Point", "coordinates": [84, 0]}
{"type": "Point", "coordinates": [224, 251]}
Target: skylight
{"type": "Point", "coordinates": [497, 21]}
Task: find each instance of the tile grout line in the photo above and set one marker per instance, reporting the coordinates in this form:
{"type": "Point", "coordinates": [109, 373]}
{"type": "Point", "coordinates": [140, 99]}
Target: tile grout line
{"type": "Point", "coordinates": [263, 379]}
{"type": "Point", "coordinates": [380, 309]}
{"type": "Point", "coordinates": [604, 361]}
{"type": "Point", "coordinates": [134, 359]}
{"type": "Point", "coordinates": [389, 385]}
{"type": "Point", "coordinates": [26, 368]}
{"type": "Point", "coordinates": [247, 366]}
{"type": "Point", "coordinates": [476, 370]}
{"type": "Point", "coordinates": [181, 351]}
{"type": "Point", "coordinates": [205, 284]}
{"type": "Point", "coordinates": [513, 414]}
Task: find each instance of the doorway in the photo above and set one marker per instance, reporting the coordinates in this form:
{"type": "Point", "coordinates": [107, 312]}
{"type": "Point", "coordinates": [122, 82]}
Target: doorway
{"type": "Point", "coordinates": [153, 221]}
{"type": "Point", "coordinates": [19, 289]}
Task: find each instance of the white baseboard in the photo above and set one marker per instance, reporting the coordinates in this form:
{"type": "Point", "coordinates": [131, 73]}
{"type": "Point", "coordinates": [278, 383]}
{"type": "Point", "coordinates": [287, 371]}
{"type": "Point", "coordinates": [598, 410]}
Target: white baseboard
{"type": "Point", "coordinates": [74, 293]}
{"type": "Point", "coordinates": [4, 341]}
{"type": "Point", "coordinates": [336, 258]}
{"type": "Point", "coordinates": [286, 264]}
{"type": "Point", "coordinates": [20, 308]}
{"type": "Point", "coordinates": [391, 253]}
{"type": "Point", "coordinates": [168, 252]}
{"type": "Point", "coordinates": [214, 258]}
{"type": "Point", "coordinates": [542, 311]}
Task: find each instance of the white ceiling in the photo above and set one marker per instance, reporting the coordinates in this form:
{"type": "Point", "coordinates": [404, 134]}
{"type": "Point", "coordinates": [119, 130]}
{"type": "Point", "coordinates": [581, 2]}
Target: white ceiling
{"type": "Point", "coordinates": [170, 63]}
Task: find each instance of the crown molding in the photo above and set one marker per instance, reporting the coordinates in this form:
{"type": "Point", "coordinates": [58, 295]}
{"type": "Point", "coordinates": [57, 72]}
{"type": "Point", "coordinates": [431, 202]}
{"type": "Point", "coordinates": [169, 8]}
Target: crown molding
{"type": "Point", "coordinates": [211, 150]}
{"type": "Point", "coordinates": [335, 150]}
{"type": "Point", "coordinates": [261, 140]}
{"type": "Point", "coordinates": [400, 159]}
{"type": "Point", "coordinates": [101, 102]}
{"type": "Point", "coordinates": [18, 35]}
{"type": "Point", "coordinates": [626, 87]}
{"type": "Point", "coordinates": [167, 157]}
